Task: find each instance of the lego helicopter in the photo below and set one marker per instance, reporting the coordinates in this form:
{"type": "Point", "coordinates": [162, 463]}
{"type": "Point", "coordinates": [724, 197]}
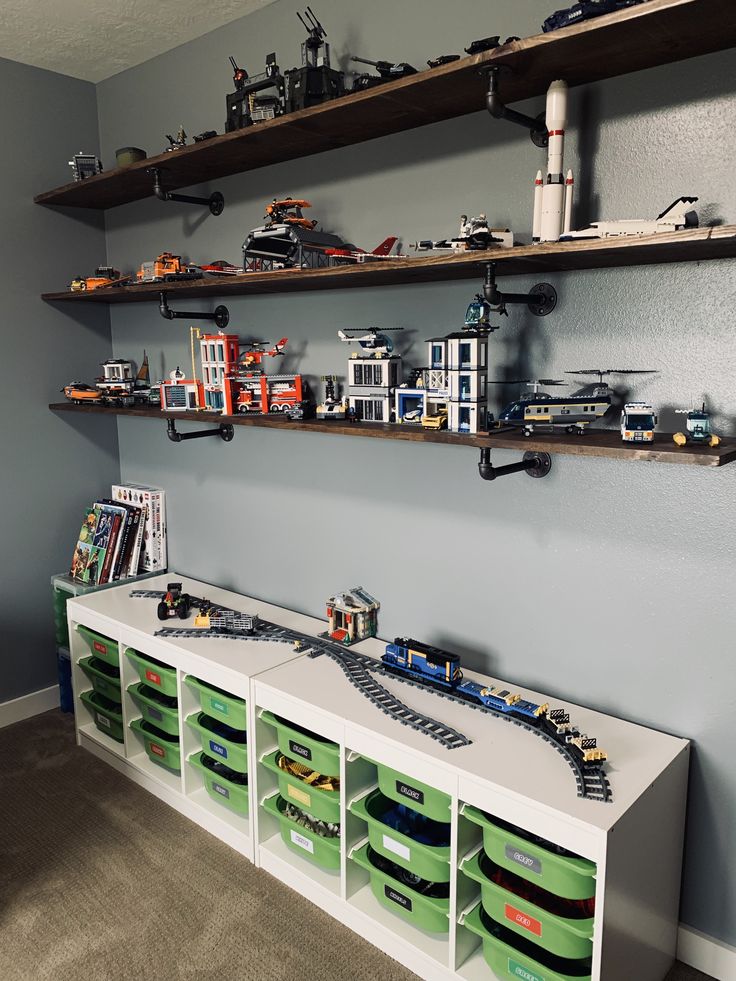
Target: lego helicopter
{"type": "Point", "coordinates": [252, 359]}
{"type": "Point", "coordinates": [374, 343]}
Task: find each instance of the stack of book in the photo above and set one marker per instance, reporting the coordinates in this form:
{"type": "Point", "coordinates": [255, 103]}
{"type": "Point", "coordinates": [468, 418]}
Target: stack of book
{"type": "Point", "coordinates": [121, 536]}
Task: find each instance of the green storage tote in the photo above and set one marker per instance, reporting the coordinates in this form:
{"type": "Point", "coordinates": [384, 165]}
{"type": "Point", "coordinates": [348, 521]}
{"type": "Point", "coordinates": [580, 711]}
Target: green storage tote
{"type": "Point", "coordinates": [431, 862]}
{"type": "Point", "coordinates": [322, 804]}
{"type": "Point", "coordinates": [219, 704]}
{"type": "Point", "coordinates": [61, 627]}
{"type": "Point", "coordinates": [108, 715]}
{"type": "Point", "coordinates": [156, 707]}
{"type": "Point", "coordinates": [566, 937]}
{"type": "Point", "coordinates": [300, 744]}
{"type": "Point", "coordinates": [225, 791]}
{"type": "Point", "coordinates": [104, 677]}
{"type": "Point", "coordinates": [324, 852]}
{"type": "Point", "coordinates": [100, 646]}
{"type": "Point", "coordinates": [153, 672]}
{"type": "Point", "coordinates": [508, 962]}
{"type": "Point", "coordinates": [418, 796]}
{"type": "Point", "coordinates": [422, 911]}
{"type": "Point", "coordinates": [161, 748]}
{"type": "Point", "coordinates": [233, 752]}
{"type": "Point", "coordinates": [564, 875]}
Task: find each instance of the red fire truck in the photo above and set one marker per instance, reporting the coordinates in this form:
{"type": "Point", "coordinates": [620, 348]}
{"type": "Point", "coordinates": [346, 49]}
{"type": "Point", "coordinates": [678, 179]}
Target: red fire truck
{"type": "Point", "coordinates": [259, 394]}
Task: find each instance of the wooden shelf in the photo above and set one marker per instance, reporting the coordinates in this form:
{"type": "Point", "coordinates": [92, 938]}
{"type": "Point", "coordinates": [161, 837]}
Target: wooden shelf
{"type": "Point", "coordinates": [654, 33]}
{"type": "Point", "coordinates": [689, 245]}
{"type": "Point", "coordinates": [596, 442]}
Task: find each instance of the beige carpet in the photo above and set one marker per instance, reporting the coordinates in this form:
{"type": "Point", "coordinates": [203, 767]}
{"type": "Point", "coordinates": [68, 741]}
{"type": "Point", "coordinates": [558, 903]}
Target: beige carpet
{"type": "Point", "coordinates": [100, 881]}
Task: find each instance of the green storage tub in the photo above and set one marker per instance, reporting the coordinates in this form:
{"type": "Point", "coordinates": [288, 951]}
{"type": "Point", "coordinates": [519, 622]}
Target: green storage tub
{"type": "Point", "coordinates": [563, 875]}
{"type": "Point", "coordinates": [153, 708]}
{"type": "Point", "coordinates": [562, 936]}
{"type": "Point", "coordinates": [160, 747]}
{"type": "Point", "coordinates": [104, 677]}
{"type": "Point", "coordinates": [322, 804]}
{"type": "Point", "coordinates": [231, 752]}
{"type": "Point", "coordinates": [220, 704]}
{"type": "Point", "coordinates": [100, 645]}
{"type": "Point", "coordinates": [507, 962]}
{"type": "Point", "coordinates": [324, 852]}
{"type": "Point", "coordinates": [422, 911]}
{"type": "Point", "coordinates": [418, 796]}
{"type": "Point", "coordinates": [311, 749]}
{"type": "Point", "coordinates": [108, 715]}
{"type": "Point", "coordinates": [232, 795]}
{"type": "Point", "coordinates": [431, 862]}
{"type": "Point", "coordinates": [61, 627]}
{"type": "Point", "coordinates": [153, 672]}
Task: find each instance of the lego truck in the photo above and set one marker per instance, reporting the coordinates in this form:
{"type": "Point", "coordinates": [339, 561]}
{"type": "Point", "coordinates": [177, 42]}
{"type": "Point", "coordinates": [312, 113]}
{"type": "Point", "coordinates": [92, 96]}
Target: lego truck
{"type": "Point", "coordinates": [638, 422]}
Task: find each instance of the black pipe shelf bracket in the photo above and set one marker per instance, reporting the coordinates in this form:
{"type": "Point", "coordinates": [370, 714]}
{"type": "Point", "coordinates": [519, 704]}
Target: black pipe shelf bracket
{"type": "Point", "coordinates": [541, 299]}
{"type": "Point", "coordinates": [225, 431]}
{"type": "Point", "coordinates": [215, 202]}
{"type": "Point", "coordinates": [220, 316]}
{"type": "Point", "coordinates": [534, 463]}
{"type": "Point", "coordinates": [537, 125]}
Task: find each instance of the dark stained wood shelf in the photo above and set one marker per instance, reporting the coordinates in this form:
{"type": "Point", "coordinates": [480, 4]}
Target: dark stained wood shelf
{"type": "Point", "coordinates": [596, 442]}
{"type": "Point", "coordinates": [689, 245]}
{"type": "Point", "coordinates": [654, 33]}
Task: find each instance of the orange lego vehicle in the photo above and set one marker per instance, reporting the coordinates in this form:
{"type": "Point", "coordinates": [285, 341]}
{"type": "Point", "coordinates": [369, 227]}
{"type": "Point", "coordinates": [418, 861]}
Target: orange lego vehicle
{"type": "Point", "coordinates": [104, 276]}
{"type": "Point", "coordinates": [165, 268]}
{"type": "Point", "coordinates": [288, 211]}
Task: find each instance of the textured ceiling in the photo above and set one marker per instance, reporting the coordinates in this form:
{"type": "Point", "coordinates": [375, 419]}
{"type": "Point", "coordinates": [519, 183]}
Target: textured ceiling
{"type": "Point", "coordinates": [94, 39]}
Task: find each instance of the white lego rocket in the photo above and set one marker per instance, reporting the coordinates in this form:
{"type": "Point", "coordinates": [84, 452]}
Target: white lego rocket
{"type": "Point", "coordinates": [553, 195]}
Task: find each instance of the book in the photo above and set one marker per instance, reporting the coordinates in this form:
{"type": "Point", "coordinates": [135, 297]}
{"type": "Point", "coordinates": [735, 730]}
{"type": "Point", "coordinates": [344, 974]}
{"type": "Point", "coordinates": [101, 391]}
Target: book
{"type": "Point", "coordinates": [91, 548]}
{"type": "Point", "coordinates": [130, 517]}
{"type": "Point", "coordinates": [152, 501]}
{"type": "Point", "coordinates": [110, 552]}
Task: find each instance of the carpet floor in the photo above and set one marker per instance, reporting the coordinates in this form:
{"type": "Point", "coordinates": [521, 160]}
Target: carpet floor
{"type": "Point", "coordinates": [101, 881]}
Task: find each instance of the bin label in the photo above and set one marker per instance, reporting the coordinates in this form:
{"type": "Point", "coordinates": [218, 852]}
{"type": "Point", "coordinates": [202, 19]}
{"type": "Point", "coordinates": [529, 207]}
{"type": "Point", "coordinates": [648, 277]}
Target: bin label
{"type": "Point", "coordinates": [154, 678]}
{"type": "Point", "coordinates": [219, 706]}
{"type": "Point", "coordinates": [411, 792]}
{"type": "Point", "coordinates": [155, 714]}
{"type": "Point", "coordinates": [300, 750]}
{"type": "Point", "coordinates": [158, 750]}
{"type": "Point", "coordinates": [102, 720]}
{"type": "Point", "coordinates": [514, 915]}
{"type": "Point", "coordinates": [219, 789]}
{"type": "Point", "coordinates": [517, 970]}
{"type": "Point", "coordinates": [100, 648]}
{"type": "Point", "coordinates": [302, 842]}
{"type": "Point", "coordinates": [397, 848]}
{"type": "Point", "coordinates": [398, 898]}
{"type": "Point", "coordinates": [218, 748]}
{"type": "Point", "coordinates": [521, 858]}
{"type": "Point", "coordinates": [299, 795]}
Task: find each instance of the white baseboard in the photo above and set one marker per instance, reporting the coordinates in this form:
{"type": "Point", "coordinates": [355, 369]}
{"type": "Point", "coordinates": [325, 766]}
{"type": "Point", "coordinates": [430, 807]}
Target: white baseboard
{"type": "Point", "coordinates": [28, 705]}
{"type": "Point", "coordinates": [706, 954]}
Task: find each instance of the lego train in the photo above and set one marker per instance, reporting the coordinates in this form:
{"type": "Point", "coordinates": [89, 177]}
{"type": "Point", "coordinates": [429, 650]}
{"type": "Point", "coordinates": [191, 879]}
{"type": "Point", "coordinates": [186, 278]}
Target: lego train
{"type": "Point", "coordinates": [436, 668]}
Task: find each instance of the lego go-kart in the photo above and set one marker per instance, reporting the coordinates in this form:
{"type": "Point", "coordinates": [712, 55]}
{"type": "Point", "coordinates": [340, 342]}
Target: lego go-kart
{"type": "Point", "coordinates": [175, 603]}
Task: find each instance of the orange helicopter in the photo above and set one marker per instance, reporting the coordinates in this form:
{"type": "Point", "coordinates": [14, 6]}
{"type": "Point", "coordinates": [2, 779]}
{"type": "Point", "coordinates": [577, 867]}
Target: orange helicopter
{"type": "Point", "coordinates": [288, 211]}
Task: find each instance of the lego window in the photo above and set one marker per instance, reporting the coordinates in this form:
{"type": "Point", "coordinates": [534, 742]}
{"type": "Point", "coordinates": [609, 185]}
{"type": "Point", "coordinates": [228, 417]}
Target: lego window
{"type": "Point", "coordinates": [377, 374]}
{"type": "Point", "coordinates": [378, 414]}
{"type": "Point", "coordinates": [464, 353]}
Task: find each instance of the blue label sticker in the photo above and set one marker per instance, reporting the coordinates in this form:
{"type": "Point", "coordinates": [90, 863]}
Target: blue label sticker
{"type": "Point", "coordinates": [155, 714]}
{"type": "Point", "coordinates": [218, 788]}
{"type": "Point", "coordinates": [218, 748]}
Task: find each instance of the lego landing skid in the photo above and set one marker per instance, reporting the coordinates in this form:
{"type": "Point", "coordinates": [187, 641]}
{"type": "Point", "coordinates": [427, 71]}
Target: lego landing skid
{"type": "Point", "coordinates": [592, 783]}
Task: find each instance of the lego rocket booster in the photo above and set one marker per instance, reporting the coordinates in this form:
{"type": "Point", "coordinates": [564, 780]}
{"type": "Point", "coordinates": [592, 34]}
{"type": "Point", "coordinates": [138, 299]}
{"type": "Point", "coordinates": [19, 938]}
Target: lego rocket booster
{"type": "Point", "coordinates": [553, 194]}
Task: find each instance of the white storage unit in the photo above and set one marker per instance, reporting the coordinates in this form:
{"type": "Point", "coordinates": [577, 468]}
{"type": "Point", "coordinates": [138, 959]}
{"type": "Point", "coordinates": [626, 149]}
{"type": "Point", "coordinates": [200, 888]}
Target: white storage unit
{"type": "Point", "coordinates": [635, 841]}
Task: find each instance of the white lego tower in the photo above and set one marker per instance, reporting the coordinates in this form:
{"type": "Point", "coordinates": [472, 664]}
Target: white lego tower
{"type": "Point", "coordinates": [553, 194]}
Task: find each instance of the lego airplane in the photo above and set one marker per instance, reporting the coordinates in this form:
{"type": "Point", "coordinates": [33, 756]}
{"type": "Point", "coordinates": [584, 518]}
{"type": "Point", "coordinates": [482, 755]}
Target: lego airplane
{"type": "Point", "coordinates": [679, 215]}
{"type": "Point", "coordinates": [351, 253]}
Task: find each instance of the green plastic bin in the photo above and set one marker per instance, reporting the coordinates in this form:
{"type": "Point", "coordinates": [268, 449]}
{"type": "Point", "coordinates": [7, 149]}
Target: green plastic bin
{"type": "Point", "coordinates": [431, 862]}
{"type": "Point", "coordinates": [422, 911]}
{"type": "Point", "coordinates": [563, 875]}
{"type": "Point", "coordinates": [108, 715]}
{"type": "Point", "coordinates": [220, 704]}
{"type": "Point", "coordinates": [418, 796]}
{"type": "Point", "coordinates": [153, 672]}
{"type": "Point", "coordinates": [100, 645]}
{"type": "Point", "coordinates": [154, 707]}
{"type": "Point", "coordinates": [161, 748]}
{"type": "Point", "coordinates": [104, 677]}
{"type": "Point", "coordinates": [232, 795]}
{"type": "Point", "coordinates": [324, 852]}
{"type": "Point", "coordinates": [322, 804]}
{"type": "Point", "coordinates": [300, 744]}
{"type": "Point", "coordinates": [61, 627]}
{"type": "Point", "coordinates": [231, 752]}
{"type": "Point", "coordinates": [507, 962]}
{"type": "Point", "coordinates": [562, 936]}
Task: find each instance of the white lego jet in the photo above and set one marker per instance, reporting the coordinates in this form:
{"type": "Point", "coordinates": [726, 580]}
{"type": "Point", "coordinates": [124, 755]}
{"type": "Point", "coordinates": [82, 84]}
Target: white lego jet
{"type": "Point", "coordinates": [679, 215]}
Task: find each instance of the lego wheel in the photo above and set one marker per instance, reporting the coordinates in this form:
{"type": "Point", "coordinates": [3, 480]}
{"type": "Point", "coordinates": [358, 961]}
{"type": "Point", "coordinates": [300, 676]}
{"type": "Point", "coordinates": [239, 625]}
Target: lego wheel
{"type": "Point", "coordinates": [679, 438]}
{"type": "Point", "coordinates": [182, 611]}
{"type": "Point", "coordinates": [714, 440]}
{"type": "Point", "coordinates": [163, 611]}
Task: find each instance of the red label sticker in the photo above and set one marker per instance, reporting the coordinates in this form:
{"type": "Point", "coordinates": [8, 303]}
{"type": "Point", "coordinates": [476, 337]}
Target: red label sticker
{"type": "Point", "coordinates": [153, 677]}
{"type": "Point", "coordinates": [521, 919]}
{"type": "Point", "coordinates": [157, 749]}
{"type": "Point", "coordinates": [101, 648]}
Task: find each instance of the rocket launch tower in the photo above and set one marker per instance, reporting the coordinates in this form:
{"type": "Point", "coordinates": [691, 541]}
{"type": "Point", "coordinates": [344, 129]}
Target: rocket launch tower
{"type": "Point", "coordinates": [553, 193]}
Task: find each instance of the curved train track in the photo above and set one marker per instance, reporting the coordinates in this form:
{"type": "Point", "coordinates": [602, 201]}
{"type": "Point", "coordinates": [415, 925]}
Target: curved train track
{"type": "Point", "coordinates": [592, 783]}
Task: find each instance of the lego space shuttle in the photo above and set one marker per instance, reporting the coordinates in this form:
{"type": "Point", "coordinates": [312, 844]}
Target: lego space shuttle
{"type": "Point", "coordinates": [553, 194]}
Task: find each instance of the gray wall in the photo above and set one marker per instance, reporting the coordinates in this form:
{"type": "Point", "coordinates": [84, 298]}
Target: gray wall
{"type": "Point", "coordinates": [51, 466]}
{"type": "Point", "coordinates": [610, 584]}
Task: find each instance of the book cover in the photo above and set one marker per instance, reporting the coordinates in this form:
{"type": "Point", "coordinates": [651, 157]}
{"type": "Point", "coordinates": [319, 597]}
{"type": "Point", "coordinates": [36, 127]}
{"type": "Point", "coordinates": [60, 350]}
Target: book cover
{"type": "Point", "coordinates": [153, 555]}
{"type": "Point", "coordinates": [91, 547]}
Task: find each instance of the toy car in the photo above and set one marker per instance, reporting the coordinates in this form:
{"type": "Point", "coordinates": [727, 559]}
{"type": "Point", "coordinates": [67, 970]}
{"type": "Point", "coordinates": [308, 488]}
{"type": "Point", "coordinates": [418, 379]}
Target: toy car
{"type": "Point", "coordinates": [698, 428]}
{"type": "Point", "coordinates": [175, 603]}
{"type": "Point", "coordinates": [104, 276]}
{"type": "Point", "coordinates": [301, 411]}
{"type": "Point", "coordinates": [79, 393]}
{"type": "Point", "coordinates": [436, 420]}
{"type": "Point", "coordinates": [166, 267]}
{"type": "Point", "coordinates": [221, 267]}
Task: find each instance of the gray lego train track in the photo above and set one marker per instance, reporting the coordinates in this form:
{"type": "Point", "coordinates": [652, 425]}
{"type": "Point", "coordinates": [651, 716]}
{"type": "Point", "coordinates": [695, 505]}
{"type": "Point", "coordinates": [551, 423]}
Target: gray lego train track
{"type": "Point", "coordinates": [591, 782]}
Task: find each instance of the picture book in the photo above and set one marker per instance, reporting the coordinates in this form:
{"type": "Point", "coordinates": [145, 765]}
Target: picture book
{"type": "Point", "coordinates": [91, 548]}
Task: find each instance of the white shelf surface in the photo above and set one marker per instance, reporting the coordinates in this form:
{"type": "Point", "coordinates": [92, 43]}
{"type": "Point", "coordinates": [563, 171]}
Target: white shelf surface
{"type": "Point", "coordinates": [299, 873]}
{"type": "Point", "coordinates": [90, 730]}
